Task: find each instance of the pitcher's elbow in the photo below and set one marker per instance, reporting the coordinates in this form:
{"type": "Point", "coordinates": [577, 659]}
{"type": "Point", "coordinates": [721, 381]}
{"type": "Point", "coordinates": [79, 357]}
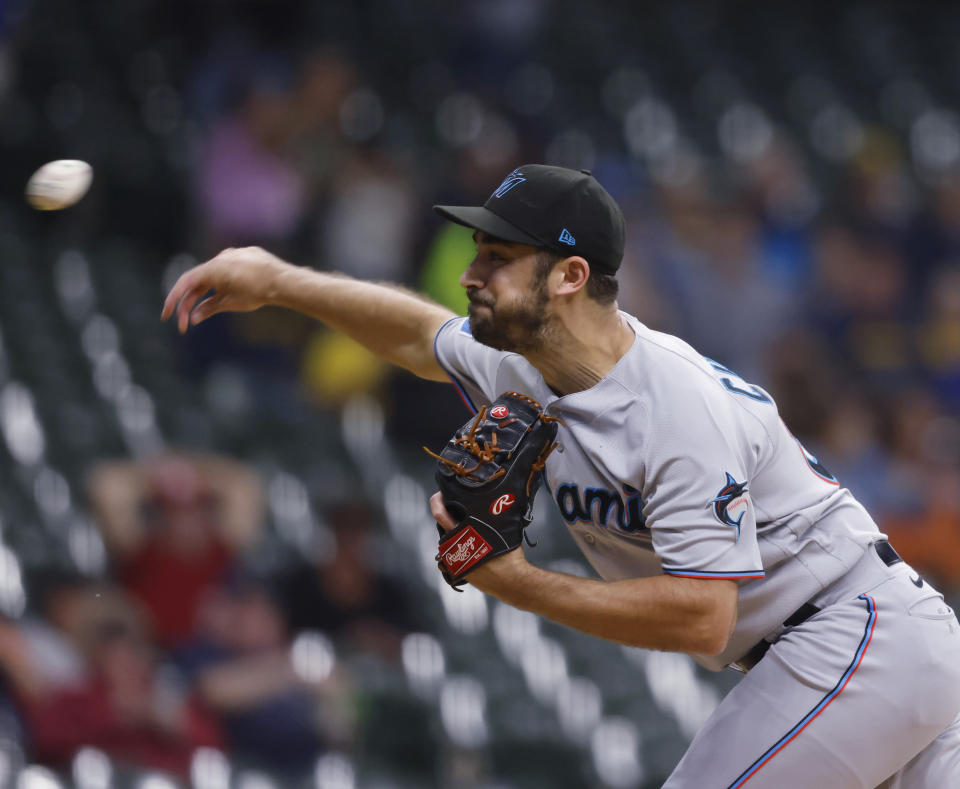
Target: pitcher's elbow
{"type": "Point", "coordinates": [714, 642]}
{"type": "Point", "coordinates": [718, 631]}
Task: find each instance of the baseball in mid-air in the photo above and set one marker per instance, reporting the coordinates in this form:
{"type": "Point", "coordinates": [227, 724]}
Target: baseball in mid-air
{"type": "Point", "coordinates": [59, 184]}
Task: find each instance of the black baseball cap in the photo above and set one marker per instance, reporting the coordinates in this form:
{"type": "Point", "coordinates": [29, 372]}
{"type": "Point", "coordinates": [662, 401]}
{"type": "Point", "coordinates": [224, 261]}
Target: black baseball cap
{"type": "Point", "coordinates": [566, 211]}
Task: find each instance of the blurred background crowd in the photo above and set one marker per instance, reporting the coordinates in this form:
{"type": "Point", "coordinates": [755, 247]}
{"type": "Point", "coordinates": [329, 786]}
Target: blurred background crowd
{"type": "Point", "coordinates": [215, 554]}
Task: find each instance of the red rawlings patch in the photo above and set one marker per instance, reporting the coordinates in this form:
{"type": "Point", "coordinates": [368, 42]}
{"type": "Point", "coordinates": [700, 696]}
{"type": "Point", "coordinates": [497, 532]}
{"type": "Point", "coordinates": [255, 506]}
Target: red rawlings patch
{"type": "Point", "coordinates": [500, 505]}
{"type": "Point", "coordinates": [463, 551]}
{"type": "Point", "coordinates": [499, 411]}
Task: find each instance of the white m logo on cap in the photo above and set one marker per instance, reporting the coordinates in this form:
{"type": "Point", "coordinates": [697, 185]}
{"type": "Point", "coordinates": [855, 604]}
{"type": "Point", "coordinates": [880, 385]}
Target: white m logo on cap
{"type": "Point", "coordinates": [516, 177]}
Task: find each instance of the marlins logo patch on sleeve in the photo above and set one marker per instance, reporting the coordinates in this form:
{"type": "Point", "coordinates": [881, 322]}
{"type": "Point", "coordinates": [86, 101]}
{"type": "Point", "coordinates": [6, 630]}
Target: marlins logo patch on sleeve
{"type": "Point", "coordinates": [730, 504]}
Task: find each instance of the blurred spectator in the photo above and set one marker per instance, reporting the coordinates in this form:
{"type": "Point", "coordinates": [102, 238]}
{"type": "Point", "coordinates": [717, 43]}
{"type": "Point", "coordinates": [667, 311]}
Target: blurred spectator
{"type": "Point", "coordinates": [249, 193]}
{"type": "Point", "coordinates": [240, 663]}
{"type": "Point", "coordinates": [930, 537]}
{"type": "Point", "coordinates": [346, 596]}
{"type": "Point", "coordinates": [55, 637]}
{"type": "Point", "coordinates": [368, 228]}
{"type": "Point", "coordinates": [18, 679]}
{"type": "Point", "coordinates": [126, 707]}
{"type": "Point", "coordinates": [710, 265]}
{"type": "Point", "coordinates": [939, 333]}
{"type": "Point", "coordinates": [804, 379]}
{"type": "Point", "coordinates": [935, 234]}
{"type": "Point", "coordinates": [882, 194]}
{"type": "Point", "coordinates": [268, 163]}
{"type": "Point", "coordinates": [11, 726]}
{"type": "Point", "coordinates": [860, 302]}
{"type": "Point", "coordinates": [925, 442]}
{"type": "Point", "coordinates": [47, 651]}
{"type": "Point", "coordinates": [336, 368]}
{"type": "Point", "coordinates": [316, 144]}
{"type": "Point", "coordinates": [173, 527]}
{"type": "Point", "coordinates": [850, 439]}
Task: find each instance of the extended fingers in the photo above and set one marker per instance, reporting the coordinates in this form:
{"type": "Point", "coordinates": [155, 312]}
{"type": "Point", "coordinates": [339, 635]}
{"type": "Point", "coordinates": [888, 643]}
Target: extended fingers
{"type": "Point", "coordinates": [186, 305]}
{"type": "Point", "coordinates": [180, 287]}
{"type": "Point", "coordinates": [188, 288]}
{"type": "Point", "coordinates": [440, 514]}
{"type": "Point", "coordinates": [208, 307]}
{"type": "Point", "coordinates": [183, 296]}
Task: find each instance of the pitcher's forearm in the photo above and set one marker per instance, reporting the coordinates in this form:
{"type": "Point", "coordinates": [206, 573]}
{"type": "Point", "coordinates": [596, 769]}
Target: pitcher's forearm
{"type": "Point", "coordinates": [661, 612]}
{"type": "Point", "coordinates": [394, 323]}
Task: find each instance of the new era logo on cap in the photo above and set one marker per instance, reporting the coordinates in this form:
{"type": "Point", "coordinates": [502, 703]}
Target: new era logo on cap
{"type": "Point", "coordinates": [566, 238]}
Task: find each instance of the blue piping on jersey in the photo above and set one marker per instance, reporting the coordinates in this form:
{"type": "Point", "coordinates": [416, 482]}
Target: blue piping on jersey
{"type": "Point", "coordinates": [823, 703]}
{"type": "Point", "coordinates": [461, 391]}
{"type": "Point", "coordinates": [456, 384]}
{"type": "Point", "coordinates": [717, 574]}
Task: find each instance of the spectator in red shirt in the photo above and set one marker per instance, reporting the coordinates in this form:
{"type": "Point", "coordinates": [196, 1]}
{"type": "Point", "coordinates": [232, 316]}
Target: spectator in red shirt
{"type": "Point", "coordinates": [173, 527]}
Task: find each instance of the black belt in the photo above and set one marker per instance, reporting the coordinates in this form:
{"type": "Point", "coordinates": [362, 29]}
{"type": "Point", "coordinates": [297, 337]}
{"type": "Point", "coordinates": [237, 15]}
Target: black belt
{"type": "Point", "coordinates": [755, 654]}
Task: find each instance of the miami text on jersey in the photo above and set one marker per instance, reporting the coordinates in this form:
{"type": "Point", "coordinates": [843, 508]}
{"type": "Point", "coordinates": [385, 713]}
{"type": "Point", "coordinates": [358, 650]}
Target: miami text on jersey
{"type": "Point", "coordinates": [596, 504]}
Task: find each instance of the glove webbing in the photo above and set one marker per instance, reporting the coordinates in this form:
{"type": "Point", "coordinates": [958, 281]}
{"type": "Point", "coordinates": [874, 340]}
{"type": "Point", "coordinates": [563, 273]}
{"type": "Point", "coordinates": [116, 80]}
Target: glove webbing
{"type": "Point", "coordinates": [485, 454]}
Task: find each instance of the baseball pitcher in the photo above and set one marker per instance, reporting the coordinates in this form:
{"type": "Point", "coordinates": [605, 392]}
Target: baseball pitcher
{"type": "Point", "coordinates": [714, 531]}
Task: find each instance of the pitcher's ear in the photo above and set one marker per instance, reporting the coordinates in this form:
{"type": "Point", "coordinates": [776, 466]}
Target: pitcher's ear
{"type": "Point", "coordinates": [573, 273]}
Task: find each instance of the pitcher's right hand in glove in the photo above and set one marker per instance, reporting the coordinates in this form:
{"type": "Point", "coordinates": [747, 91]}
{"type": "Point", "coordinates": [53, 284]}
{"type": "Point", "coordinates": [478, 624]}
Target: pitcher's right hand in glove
{"type": "Point", "coordinates": [488, 474]}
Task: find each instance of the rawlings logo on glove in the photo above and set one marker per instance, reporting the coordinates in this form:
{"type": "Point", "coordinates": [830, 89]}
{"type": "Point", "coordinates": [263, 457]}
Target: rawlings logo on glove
{"type": "Point", "coordinates": [488, 474]}
{"type": "Point", "coordinates": [465, 552]}
{"type": "Point", "coordinates": [505, 502]}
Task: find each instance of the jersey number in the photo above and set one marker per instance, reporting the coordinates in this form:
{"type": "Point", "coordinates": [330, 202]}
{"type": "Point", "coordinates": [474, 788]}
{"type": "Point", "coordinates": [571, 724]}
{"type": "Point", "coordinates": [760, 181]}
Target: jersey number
{"type": "Point", "coordinates": [751, 391]}
{"type": "Point", "coordinates": [756, 393]}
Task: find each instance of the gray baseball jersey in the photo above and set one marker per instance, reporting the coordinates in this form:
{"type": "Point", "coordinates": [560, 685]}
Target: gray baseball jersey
{"type": "Point", "coordinates": [673, 464]}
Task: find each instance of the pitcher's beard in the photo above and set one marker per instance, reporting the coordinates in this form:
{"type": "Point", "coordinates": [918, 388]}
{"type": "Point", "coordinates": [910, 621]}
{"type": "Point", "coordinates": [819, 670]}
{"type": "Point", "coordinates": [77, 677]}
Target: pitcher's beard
{"type": "Point", "coordinates": [518, 328]}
